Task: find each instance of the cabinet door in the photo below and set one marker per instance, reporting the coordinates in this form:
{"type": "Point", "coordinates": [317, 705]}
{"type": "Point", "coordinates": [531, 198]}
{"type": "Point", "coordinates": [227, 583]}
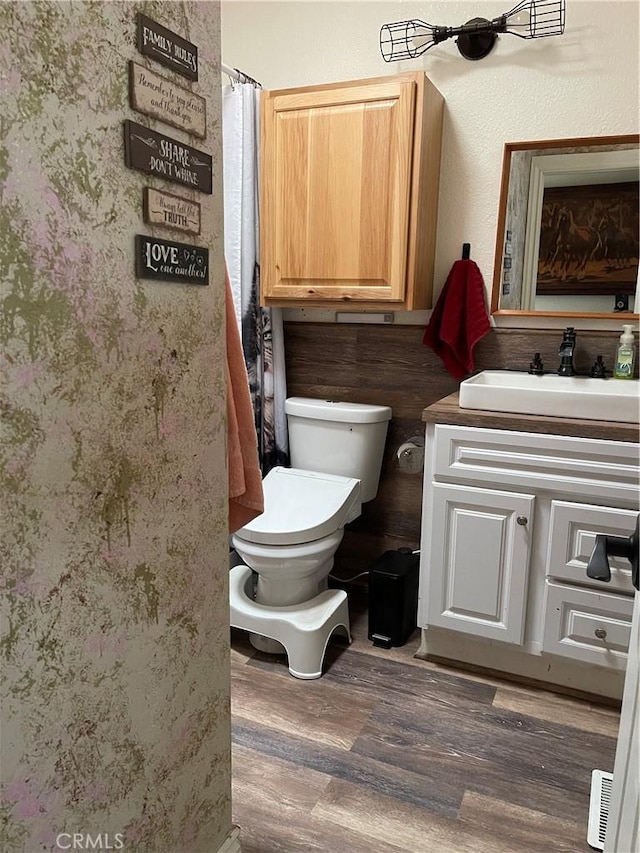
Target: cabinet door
{"type": "Point", "coordinates": [335, 180]}
{"type": "Point", "coordinates": [478, 561]}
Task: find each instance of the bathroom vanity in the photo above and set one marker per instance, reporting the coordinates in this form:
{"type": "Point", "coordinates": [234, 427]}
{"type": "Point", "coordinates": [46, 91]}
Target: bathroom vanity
{"type": "Point", "coordinates": [511, 508]}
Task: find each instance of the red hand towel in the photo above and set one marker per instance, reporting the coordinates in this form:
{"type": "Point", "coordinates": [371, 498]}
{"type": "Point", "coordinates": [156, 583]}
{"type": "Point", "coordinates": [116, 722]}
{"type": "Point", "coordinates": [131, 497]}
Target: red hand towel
{"type": "Point", "coordinates": [459, 319]}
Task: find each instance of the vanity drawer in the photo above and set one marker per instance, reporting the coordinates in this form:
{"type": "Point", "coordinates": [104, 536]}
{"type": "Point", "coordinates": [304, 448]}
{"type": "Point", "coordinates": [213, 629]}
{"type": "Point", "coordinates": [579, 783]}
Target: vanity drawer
{"type": "Point", "coordinates": [587, 625]}
{"type": "Point", "coordinates": [573, 466]}
{"type": "Point", "coordinates": [572, 537]}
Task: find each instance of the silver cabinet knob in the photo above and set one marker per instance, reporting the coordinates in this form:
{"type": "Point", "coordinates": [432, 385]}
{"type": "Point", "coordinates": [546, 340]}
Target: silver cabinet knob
{"type": "Point", "coordinates": [522, 520]}
{"type": "Point", "coordinates": [600, 633]}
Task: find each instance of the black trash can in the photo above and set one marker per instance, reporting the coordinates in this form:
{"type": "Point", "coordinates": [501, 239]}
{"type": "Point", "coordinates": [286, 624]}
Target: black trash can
{"type": "Point", "coordinates": [393, 597]}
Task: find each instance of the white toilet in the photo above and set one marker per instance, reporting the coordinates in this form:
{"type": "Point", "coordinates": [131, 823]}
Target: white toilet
{"type": "Point", "coordinates": [336, 454]}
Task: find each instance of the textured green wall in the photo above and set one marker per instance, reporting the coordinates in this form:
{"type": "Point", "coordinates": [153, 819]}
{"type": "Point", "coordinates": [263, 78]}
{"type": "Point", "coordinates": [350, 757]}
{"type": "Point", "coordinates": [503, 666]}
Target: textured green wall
{"type": "Point", "coordinates": [113, 543]}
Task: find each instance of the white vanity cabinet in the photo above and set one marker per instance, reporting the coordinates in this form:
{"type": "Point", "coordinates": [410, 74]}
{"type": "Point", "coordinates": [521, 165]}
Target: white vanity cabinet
{"type": "Point", "coordinates": [508, 525]}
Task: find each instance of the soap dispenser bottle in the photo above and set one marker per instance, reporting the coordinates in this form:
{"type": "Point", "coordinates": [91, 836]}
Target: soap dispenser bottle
{"type": "Point", "coordinates": [625, 355]}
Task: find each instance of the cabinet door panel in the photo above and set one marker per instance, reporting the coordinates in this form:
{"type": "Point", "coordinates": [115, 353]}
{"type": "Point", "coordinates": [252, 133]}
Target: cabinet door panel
{"type": "Point", "coordinates": [335, 192]}
{"type": "Point", "coordinates": [478, 561]}
{"type": "Point", "coordinates": [572, 539]}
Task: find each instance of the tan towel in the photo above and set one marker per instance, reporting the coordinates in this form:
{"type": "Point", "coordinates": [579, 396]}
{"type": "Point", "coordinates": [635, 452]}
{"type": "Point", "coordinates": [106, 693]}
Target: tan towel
{"type": "Point", "coordinates": [246, 499]}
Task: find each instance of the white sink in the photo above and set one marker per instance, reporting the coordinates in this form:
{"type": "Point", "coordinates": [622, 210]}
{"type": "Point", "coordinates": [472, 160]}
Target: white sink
{"type": "Point", "coordinates": [559, 396]}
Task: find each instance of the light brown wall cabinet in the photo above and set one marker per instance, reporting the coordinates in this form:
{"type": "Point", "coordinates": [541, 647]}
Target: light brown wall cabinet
{"type": "Point", "coordinates": [349, 194]}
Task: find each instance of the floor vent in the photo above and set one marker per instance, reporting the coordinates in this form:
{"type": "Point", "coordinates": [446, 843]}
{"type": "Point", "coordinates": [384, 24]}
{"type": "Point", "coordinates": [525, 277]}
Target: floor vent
{"type": "Point", "coordinates": [599, 808]}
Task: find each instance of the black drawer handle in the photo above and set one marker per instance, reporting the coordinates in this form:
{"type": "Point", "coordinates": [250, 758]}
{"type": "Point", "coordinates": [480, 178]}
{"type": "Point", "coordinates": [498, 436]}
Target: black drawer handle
{"type": "Point", "coordinates": [614, 546]}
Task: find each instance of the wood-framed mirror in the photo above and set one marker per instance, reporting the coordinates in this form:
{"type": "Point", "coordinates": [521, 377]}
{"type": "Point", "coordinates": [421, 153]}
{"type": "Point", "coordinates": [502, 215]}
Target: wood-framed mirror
{"type": "Point", "coordinates": [567, 241]}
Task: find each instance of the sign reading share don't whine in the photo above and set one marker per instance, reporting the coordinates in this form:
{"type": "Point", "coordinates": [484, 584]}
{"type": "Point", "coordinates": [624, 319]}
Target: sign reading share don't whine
{"type": "Point", "coordinates": [155, 154]}
{"type": "Point", "coordinates": [169, 261]}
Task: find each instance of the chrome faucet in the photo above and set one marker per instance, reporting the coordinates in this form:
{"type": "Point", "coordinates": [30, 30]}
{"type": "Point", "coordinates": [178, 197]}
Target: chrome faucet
{"type": "Point", "coordinates": [567, 350]}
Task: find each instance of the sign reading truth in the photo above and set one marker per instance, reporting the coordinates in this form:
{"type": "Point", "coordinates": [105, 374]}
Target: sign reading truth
{"type": "Point", "coordinates": [172, 211]}
{"type": "Point", "coordinates": [166, 47]}
{"type": "Point", "coordinates": [159, 97]}
{"type": "Point", "coordinates": [169, 261]}
{"type": "Point", "coordinates": [156, 154]}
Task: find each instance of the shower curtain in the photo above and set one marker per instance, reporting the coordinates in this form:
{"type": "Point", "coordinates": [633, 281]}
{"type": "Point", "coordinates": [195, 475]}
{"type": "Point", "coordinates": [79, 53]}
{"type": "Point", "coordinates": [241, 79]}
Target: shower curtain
{"type": "Point", "coordinates": [261, 328]}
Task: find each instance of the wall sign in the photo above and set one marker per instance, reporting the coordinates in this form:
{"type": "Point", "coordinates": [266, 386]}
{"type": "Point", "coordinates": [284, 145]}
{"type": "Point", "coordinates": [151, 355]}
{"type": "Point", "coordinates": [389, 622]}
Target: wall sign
{"type": "Point", "coordinates": [156, 154]}
{"type": "Point", "coordinates": [170, 261]}
{"type": "Point", "coordinates": [171, 211]}
{"type": "Point", "coordinates": [157, 96]}
{"type": "Point", "coordinates": [166, 47]}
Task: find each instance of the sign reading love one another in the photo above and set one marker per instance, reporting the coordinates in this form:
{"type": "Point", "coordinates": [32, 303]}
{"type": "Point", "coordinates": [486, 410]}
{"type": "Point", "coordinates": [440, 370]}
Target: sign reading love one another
{"type": "Point", "coordinates": [169, 261]}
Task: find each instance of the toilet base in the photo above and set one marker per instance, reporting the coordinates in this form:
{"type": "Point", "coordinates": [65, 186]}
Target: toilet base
{"type": "Point", "coordinates": [266, 645]}
{"type": "Point", "coordinates": [303, 629]}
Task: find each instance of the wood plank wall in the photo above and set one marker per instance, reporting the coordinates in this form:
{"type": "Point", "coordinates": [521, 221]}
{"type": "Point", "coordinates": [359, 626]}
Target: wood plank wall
{"type": "Point", "coordinates": [389, 365]}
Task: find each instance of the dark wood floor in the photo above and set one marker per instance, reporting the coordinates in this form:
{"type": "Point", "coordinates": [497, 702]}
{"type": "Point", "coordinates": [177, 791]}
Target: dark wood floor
{"type": "Point", "coordinates": [388, 753]}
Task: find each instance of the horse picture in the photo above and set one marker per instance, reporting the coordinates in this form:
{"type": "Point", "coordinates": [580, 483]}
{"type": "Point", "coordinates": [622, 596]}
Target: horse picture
{"type": "Point", "coordinates": [589, 240]}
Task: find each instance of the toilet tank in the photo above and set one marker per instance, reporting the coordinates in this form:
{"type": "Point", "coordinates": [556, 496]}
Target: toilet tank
{"type": "Point", "coordinates": [338, 438]}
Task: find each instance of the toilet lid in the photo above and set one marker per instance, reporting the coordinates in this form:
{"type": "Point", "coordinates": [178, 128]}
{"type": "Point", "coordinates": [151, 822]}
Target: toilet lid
{"type": "Point", "coordinates": [301, 506]}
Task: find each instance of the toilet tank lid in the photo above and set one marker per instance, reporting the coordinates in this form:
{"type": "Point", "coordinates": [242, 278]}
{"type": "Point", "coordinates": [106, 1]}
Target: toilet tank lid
{"type": "Point", "coordinates": [331, 410]}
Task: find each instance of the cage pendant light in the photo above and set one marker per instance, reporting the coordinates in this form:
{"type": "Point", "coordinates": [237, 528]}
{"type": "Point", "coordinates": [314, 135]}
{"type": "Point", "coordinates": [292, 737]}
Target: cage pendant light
{"type": "Point", "coordinates": [528, 20]}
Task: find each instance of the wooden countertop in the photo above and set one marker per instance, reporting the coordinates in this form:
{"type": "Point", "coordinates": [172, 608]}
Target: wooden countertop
{"type": "Point", "coordinates": [448, 411]}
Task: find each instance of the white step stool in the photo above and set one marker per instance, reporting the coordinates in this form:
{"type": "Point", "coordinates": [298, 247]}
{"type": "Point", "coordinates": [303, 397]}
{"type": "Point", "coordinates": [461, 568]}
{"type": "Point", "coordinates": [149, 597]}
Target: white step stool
{"type": "Point", "coordinates": [303, 629]}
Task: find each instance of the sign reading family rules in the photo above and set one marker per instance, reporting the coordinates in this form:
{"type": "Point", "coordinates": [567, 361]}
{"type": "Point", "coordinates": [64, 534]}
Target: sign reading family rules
{"type": "Point", "coordinates": [166, 47]}
{"type": "Point", "coordinates": [161, 98]}
{"type": "Point", "coordinates": [155, 154]}
{"type": "Point", "coordinates": [167, 260]}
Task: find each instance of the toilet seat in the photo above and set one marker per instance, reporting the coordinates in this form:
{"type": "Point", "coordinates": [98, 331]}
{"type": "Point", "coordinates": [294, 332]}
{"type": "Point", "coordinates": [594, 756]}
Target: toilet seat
{"type": "Point", "coordinates": [301, 506]}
